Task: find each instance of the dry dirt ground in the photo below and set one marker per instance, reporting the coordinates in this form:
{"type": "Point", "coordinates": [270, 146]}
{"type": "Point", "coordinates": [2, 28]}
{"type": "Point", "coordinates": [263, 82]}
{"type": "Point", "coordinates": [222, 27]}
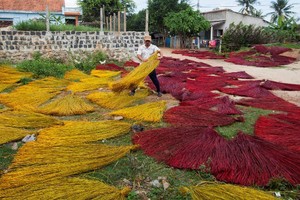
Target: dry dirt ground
{"type": "Point", "coordinates": [285, 74]}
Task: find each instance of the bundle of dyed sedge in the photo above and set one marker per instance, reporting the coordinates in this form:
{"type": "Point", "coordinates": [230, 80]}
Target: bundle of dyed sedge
{"type": "Point", "coordinates": [271, 50]}
{"type": "Point", "coordinates": [150, 112]}
{"type": "Point", "coordinates": [169, 85]}
{"type": "Point", "coordinates": [237, 75]}
{"type": "Point", "coordinates": [36, 162]}
{"type": "Point", "coordinates": [131, 63]}
{"type": "Point", "coordinates": [65, 106]}
{"type": "Point", "coordinates": [65, 188]}
{"type": "Point", "coordinates": [253, 161]}
{"type": "Point", "coordinates": [245, 160]}
{"type": "Point", "coordinates": [199, 54]}
{"type": "Point", "coordinates": [271, 102]}
{"type": "Point", "coordinates": [181, 147]}
{"type": "Point", "coordinates": [75, 75]}
{"type": "Point", "coordinates": [116, 100]}
{"type": "Point", "coordinates": [88, 84]}
{"type": "Point", "coordinates": [8, 134]}
{"type": "Point", "coordinates": [30, 96]}
{"type": "Point", "coordinates": [250, 90]}
{"type": "Point", "coordinates": [105, 73]}
{"type": "Point", "coordinates": [207, 83]}
{"type": "Point", "coordinates": [252, 58]}
{"type": "Point", "coordinates": [221, 105]}
{"type": "Point", "coordinates": [136, 76]}
{"type": "Point", "coordinates": [9, 75]}
{"type": "Point", "coordinates": [79, 132]}
{"type": "Point", "coordinates": [273, 85]}
{"type": "Point", "coordinates": [195, 116]}
{"type": "Point", "coordinates": [279, 129]}
{"type": "Point", "coordinates": [211, 190]}
{"type": "Point", "coordinates": [111, 67]}
{"type": "Point", "coordinates": [24, 119]}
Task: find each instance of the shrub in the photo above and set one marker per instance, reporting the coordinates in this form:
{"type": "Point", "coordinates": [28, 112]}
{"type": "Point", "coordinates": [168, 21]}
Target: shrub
{"type": "Point", "coordinates": [40, 25]}
{"type": "Point", "coordinates": [241, 35]}
{"type": "Point", "coordinates": [43, 67]}
{"type": "Point", "coordinates": [89, 61]}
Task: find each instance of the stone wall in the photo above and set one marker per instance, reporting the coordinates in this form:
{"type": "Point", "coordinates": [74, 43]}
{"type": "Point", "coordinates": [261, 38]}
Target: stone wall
{"type": "Point", "coordinates": [20, 45]}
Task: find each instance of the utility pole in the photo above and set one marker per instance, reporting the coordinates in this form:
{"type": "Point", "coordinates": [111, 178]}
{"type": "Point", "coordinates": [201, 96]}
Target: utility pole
{"type": "Point", "coordinates": [198, 6]}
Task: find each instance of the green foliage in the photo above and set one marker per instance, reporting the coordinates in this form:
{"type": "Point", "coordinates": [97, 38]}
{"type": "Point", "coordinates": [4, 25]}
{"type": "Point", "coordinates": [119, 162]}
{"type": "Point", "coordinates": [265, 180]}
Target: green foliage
{"type": "Point", "coordinates": [186, 23]}
{"type": "Point", "coordinates": [6, 156]}
{"type": "Point", "coordinates": [250, 115]}
{"type": "Point", "coordinates": [287, 45]}
{"type": "Point", "coordinates": [38, 25]}
{"type": "Point", "coordinates": [282, 11]}
{"type": "Point", "coordinates": [91, 8]}
{"type": "Point", "coordinates": [136, 21]}
{"type": "Point", "coordinates": [286, 189]}
{"type": "Point", "coordinates": [247, 6]}
{"type": "Point", "coordinates": [89, 61]}
{"type": "Point", "coordinates": [237, 36]}
{"type": "Point", "coordinates": [25, 80]}
{"type": "Point", "coordinates": [159, 9]}
{"type": "Point", "coordinates": [43, 67]}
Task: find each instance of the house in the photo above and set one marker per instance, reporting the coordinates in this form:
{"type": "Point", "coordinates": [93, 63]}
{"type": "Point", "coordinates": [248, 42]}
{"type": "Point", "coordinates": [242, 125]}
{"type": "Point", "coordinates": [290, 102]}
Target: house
{"type": "Point", "coordinates": [15, 11]}
{"type": "Point", "coordinates": [220, 20]}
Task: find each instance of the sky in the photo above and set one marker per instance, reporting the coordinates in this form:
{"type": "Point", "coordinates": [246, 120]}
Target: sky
{"type": "Point", "coordinates": [208, 5]}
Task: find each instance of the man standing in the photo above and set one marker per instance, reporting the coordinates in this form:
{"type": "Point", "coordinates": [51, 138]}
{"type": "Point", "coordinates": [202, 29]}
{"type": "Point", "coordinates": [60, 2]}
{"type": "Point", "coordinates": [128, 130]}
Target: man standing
{"type": "Point", "coordinates": [143, 53]}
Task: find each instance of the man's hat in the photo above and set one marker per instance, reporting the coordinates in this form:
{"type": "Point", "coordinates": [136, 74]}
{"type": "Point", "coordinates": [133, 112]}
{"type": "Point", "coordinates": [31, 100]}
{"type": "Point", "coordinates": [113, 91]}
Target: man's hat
{"type": "Point", "coordinates": [147, 37]}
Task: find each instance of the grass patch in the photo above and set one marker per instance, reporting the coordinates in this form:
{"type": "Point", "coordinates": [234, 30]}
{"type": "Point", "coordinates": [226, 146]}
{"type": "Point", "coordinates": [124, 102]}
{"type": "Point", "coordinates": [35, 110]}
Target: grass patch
{"type": "Point", "coordinates": [6, 156]}
{"type": "Point", "coordinates": [251, 115]}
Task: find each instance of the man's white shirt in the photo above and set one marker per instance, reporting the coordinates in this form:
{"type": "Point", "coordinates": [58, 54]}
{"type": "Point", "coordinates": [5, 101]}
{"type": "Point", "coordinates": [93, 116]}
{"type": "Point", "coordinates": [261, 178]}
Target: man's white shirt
{"type": "Point", "coordinates": [147, 52]}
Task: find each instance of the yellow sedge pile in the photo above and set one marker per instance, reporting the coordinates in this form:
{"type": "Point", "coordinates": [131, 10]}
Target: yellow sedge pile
{"type": "Point", "coordinates": [30, 96]}
{"type": "Point", "coordinates": [151, 112]}
{"type": "Point", "coordinates": [8, 134]}
{"type": "Point", "coordinates": [65, 188]}
{"type": "Point", "coordinates": [87, 84]}
{"type": "Point", "coordinates": [105, 73]}
{"type": "Point", "coordinates": [65, 106]}
{"type": "Point", "coordinates": [210, 190]}
{"type": "Point", "coordinates": [10, 75]}
{"type": "Point", "coordinates": [79, 132]}
{"type": "Point", "coordinates": [36, 162]}
{"type": "Point", "coordinates": [133, 79]}
{"type": "Point", "coordinates": [75, 75]}
{"type": "Point", "coordinates": [24, 119]}
{"type": "Point", "coordinates": [113, 100]}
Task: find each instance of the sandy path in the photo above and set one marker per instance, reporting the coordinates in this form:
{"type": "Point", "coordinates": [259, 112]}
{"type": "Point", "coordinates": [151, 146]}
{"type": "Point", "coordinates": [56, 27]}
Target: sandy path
{"type": "Point", "coordinates": [287, 74]}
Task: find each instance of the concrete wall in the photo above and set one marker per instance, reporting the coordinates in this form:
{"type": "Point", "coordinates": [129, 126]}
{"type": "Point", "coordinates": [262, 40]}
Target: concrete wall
{"type": "Point", "coordinates": [20, 45]}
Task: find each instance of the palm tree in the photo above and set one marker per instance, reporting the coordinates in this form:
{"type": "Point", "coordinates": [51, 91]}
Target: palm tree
{"type": "Point", "coordinates": [282, 11]}
{"type": "Point", "coordinates": [248, 7]}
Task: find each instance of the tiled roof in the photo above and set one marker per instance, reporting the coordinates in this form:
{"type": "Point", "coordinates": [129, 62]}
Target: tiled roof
{"type": "Point", "coordinates": [31, 5]}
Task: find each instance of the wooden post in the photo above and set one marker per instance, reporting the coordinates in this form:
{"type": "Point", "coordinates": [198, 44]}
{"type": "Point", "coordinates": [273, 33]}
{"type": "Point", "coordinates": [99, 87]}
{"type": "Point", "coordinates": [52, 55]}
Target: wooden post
{"type": "Point", "coordinates": [101, 19]}
{"type": "Point", "coordinates": [114, 28]}
{"type": "Point", "coordinates": [47, 18]}
{"type": "Point", "coordinates": [119, 22]}
{"type": "Point", "coordinates": [110, 23]}
{"type": "Point", "coordinates": [125, 19]}
{"type": "Point", "coordinates": [107, 24]}
{"type": "Point", "coordinates": [146, 25]}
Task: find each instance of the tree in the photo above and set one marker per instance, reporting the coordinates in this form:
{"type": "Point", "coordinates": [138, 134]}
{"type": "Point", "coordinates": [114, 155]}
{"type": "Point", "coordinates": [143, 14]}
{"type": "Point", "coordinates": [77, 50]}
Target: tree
{"type": "Point", "coordinates": [91, 8]}
{"type": "Point", "coordinates": [159, 9]}
{"type": "Point", "coordinates": [248, 7]}
{"type": "Point", "coordinates": [185, 24]}
{"type": "Point", "coordinates": [282, 11]}
{"type": "Point", "coordinates": [136, 21]}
